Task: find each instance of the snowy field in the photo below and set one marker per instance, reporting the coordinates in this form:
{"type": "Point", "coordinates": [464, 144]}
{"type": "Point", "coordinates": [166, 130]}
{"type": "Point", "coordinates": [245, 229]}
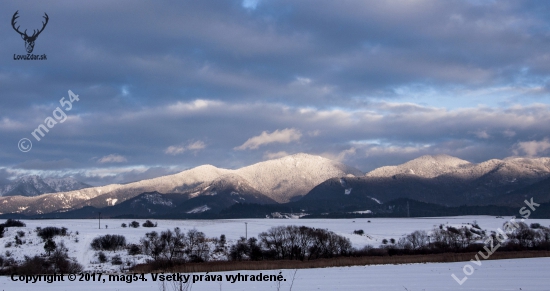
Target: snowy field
{"type": "Point", "coordinates": [79, 245]}
{"type": "Point", "coordinates": [527, 274]}
{"type": "Point", "coordinates": [502, 275]}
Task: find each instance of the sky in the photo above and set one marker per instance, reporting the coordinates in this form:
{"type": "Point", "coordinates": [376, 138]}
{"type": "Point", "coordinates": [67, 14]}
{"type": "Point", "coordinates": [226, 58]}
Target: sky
{"type": "Point", "coordinates": [165, 86]}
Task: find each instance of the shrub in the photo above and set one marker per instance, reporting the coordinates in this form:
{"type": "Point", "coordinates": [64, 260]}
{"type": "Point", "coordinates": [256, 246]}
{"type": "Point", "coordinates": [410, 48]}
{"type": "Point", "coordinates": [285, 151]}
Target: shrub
{"type": "Point", "coordinates": [134, 224]}
{"type": "Point", "coordinates": [535, 225]}
{"type": "Point", "coordinates": [116, 260]}
{"type": "Point", "coordinates": [108, 242]}
{"type": "Point", "coordinates": [359, 232]}
{"type": "Point", "coordinates": [123, 225]}
{"type": "Point", "coordinates": [34, 265]}
{"type": "Point", "coordinates": [133, 249]}
{"type": "Point", "coordinates": [101, 257]}
{"type": "Point", "coordinates": [238, 251]}
{"type": "Point", "coordinates": [149, 223]}
{"type": "Point", "coordinates": [20, 233]}
{"type": "Point", "coordinates": [50, 232]}
{"type": "Point", "coordinates": [14, 223]}
{"type": "Point", "coordinates": [8, 244]}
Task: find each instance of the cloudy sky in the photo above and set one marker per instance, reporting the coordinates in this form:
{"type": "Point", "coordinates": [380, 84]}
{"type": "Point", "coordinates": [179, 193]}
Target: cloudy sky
{"type": "Point", "coordinates": [168, 85]}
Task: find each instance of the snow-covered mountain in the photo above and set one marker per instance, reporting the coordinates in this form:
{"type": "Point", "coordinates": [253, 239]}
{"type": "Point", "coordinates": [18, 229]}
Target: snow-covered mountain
{"type": "Point", "coordinates": [34, 185]}
{"type": "Point", "coordinates": [502, 171]}
{"type": "Point", "coordinates": [279, 179]}
{"type": "Point", "coordinates": [441, 179]}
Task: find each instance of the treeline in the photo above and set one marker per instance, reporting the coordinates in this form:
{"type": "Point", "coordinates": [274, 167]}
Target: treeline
{"type": "Point", "coordinates": [515, 236]}
{"type": "Point", "coordinates": [175, 247]}
{"type": "Point", "coordinates": [303, 243]}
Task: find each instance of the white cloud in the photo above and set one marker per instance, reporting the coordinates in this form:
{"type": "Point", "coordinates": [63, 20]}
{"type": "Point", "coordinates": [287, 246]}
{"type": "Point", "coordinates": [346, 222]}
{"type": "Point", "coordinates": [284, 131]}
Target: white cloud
{"type": "Point", "coordinates": [509, 133]}
{"type": "Point", "coordinates": [179, 149]}
{"type": "Point", "coordinates": [314, 133]}
{"type": "Point", "coordinates": [174, 150]}
{"type": "Point", "coordinates": [113, 158]}
{"type": "Point", "coordinates": [198, 145]}
{"type": "Point", "coordinates": [533, 148]}
{"type": "Point", "coordinates": [286, 135]}
{"type": "Point", "coordinates": [482, 134]}
{"type": "Point", "coordinates": [341, 156]}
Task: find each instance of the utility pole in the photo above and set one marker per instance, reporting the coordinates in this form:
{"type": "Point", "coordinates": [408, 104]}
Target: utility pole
{"type": "Point", "coordinates": [99, 220]}
{"type": "Point", "coordinates": [246, 230]}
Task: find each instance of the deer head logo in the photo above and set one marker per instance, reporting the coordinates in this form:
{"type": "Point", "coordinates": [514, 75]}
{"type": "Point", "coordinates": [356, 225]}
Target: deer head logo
{"type": "Point", "coordinates": [29, 40]}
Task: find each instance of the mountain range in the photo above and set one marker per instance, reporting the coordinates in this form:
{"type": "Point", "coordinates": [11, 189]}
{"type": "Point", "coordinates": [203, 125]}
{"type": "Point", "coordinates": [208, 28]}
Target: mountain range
{"type": "Point", "coordinates": [302, 183]}
{"type": "Point", "coordinates": [34, 185]}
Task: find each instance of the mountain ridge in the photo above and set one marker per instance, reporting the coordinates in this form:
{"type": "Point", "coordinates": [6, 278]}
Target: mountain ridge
{"type": "Point", "coordinates": [287, 174]}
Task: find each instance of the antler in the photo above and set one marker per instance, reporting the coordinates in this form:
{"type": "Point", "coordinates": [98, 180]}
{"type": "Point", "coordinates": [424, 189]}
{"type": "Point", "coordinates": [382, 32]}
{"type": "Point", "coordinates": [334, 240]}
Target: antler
{"type": "Point", "coordinates": [13, 19]}
{"type": "Point", "coordinates": [35, 34]}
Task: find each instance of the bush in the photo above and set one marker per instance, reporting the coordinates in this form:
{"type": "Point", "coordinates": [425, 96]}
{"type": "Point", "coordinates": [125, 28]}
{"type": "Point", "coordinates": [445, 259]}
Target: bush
{"type": "Point", "coordinates": [535, 225]}
{"type": "Point", "coordinates": [102, 258]}
{"type": "Point", "coordinates": [134, 224]}
{"type": "Point", "coordinates": [2, 230]}
{"type": "Point", "coordinates": [134, 249]}
{"type": "Point", "coordinates": [359, 232]}
{"type": "Point", "coordinates": [123, 225]}
{"type": "Point", "coordinates": [8, 244]}
{"type": "Point", "coordinates": [108, 242]}
{"type": "Point", "coordinates": [14, 223]}
{"type": "Point", "coordinates": [50, 232]}
{"type": "Point", "coordinates": [149, 223]}
{"type": "Point", "coordinates": [20, 233]}
{"type": "Point", "coordinates": [116, 260]}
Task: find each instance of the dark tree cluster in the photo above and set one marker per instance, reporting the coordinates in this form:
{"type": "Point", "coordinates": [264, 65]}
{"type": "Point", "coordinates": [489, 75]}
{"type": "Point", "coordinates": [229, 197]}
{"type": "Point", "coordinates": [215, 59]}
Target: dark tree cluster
{"type": "Point", "coordinates": [149, 223]}
{"type": "Point", "coordinates": [292, 243]}
{"type": "Point", "coordinates": [10, 223]}
{"type": "Point", "coordinates": [176, 246]}
{"type": "Point", "coordinates": [108, 242]}
{"type": "Point", "coordinates": [50, 232]}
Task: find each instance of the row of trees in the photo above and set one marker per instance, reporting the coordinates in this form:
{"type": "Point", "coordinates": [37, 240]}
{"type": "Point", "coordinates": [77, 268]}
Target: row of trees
{"type": "Point", "coordinates": [292, 242]}
{"type": "Point", "coordinates": [515, 237]}
{"type": "Point", "coordinates": [135, 224]}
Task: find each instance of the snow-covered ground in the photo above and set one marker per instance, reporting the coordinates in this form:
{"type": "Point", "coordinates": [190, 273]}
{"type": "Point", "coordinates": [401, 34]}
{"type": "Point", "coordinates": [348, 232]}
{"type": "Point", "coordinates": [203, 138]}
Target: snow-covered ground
{"type": "Point", "coordinates": [502, 275]}
{"type": "Point", "coordinates": [527, 274]}
{"type": "Point", "coordinates": [79, 244]}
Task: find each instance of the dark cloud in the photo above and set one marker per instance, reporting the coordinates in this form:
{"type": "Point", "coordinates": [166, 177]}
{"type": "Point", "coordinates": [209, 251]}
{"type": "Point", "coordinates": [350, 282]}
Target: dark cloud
{"type": "Point", "coordinates": [170, 85]}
